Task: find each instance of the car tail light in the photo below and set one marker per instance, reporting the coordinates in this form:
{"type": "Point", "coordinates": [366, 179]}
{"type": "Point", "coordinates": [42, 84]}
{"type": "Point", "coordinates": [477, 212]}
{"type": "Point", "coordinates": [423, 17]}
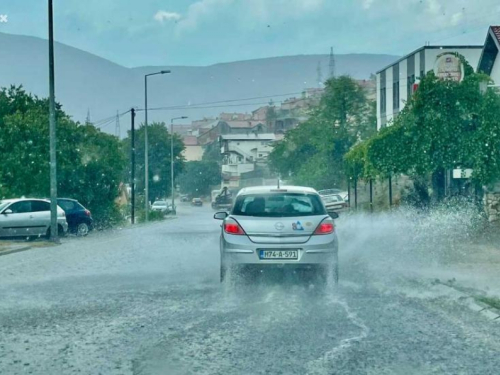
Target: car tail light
{"type": "Point", "coordinates": [325, 227]}
{"type": "Point", "coordinates": [87, 212]}
{"type": "Point", "coordinates": [233, 228]}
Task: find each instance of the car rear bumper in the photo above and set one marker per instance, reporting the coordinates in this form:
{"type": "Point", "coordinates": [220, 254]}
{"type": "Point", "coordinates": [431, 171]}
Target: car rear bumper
{"type": "Point", "coordinates": [318, 250]}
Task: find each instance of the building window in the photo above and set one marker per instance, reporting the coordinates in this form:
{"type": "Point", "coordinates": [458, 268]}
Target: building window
{"type": "Point", "coordinates": [409, 88]}
{"type": "Point", "coordinates": [382, 100]}
{"type": "Point", "coordinates": [395, 95]}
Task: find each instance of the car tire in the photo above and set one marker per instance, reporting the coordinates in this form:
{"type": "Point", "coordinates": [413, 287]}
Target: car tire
{"type": "Point", "coordinates": [223, 273]}
{"type": "Point", "coordinates": [82, 229]}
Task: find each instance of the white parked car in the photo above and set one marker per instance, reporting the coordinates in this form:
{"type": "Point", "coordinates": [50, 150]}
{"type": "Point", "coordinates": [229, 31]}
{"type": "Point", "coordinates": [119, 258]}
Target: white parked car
{"type": "Point", "coordinates": [161, 206]}
{"type": "Point", "coordinates": [28, 218]}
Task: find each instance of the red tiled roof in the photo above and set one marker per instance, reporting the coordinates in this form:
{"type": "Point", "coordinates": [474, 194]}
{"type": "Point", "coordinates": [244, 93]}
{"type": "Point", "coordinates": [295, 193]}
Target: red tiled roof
{"type": "Point", "coordinates": [496, 31]}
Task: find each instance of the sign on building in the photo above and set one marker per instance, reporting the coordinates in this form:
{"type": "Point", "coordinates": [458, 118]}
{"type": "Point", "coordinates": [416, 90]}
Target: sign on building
{"type": "Point", "coordinates": [449, 66]}
{"type": "Point", "coordinates": [462, 173]}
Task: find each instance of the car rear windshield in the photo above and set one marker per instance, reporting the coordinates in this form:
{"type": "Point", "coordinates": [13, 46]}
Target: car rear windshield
{"type": "Point", "coordinates": [278, 205]}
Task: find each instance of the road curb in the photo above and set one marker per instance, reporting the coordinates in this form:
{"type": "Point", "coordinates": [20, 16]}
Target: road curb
{"type": "Point", "coordinates": [18, 250]}
{"type": "Point", "coordinates": [484, 309]}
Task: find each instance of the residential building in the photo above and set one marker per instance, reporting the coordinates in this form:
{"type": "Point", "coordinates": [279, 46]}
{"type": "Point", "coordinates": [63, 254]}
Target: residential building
{"type": "Point", "coordinates": [192, 149]}
{"type": "Point", "coordinates": [397, 82]}
{"type": "Point", "coordinates": [489, 62]}
{"type": "Point", "coordinates": [243, 153]}
{"type": "Point", "coordinates": [231, 127]}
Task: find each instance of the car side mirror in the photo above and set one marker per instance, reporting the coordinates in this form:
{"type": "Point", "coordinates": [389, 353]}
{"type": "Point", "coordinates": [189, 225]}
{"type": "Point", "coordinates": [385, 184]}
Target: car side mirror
{"type": "Point", "coordinates": [220, 215]}
{"type": "Point", "coordinates": [7, 211]}
{"type": "Point", "coordinates": [333, 215]}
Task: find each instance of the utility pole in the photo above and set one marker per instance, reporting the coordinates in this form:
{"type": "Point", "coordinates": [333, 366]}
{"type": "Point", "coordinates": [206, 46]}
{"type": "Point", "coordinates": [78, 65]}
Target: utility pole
{"type": "Point", "coordinates": [319, 73]}
{"type": "Point", "coordinates": [132, 157]}
{"type": "Point", "coordinates": [146, 141]}
{"type": "Point", "coordinates": [146, 150]}
{"type": "Point", "coordinates": [117, 125]}
{"type": "Point", "coordinates": [52, 133]}
{"type": "Point", "coordinates": [332, 64]}
{"type": "Point", "coordinates": [87, 119]}
{"type": "Point", "coordinates": [172, 160]}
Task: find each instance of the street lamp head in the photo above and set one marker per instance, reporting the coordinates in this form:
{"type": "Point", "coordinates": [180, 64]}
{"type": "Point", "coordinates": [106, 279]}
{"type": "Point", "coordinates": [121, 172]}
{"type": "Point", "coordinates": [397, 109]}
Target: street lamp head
{"type": "Point", "coordinates": [165, 71]}
{"type": "Point", "coordinates": [184, 117]}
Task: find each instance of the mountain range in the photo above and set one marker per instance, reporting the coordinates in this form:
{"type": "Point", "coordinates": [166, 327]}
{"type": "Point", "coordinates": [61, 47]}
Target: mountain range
{"type": "Point", "coordinates": [88, 83]}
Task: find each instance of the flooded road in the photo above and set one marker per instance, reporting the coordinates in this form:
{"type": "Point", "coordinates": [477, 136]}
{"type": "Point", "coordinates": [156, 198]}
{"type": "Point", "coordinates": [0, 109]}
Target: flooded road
{"type": "Point", "coordinates": [147, 300]}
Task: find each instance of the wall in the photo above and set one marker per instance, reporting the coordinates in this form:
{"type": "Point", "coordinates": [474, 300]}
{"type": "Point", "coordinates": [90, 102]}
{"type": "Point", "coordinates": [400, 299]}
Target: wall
{"type": "Point", "coordinates": [472, 55]}
{"type": "Point", "coordinates": [193, 153]}
{"type": "Point", "coordinates": [426, 57]}
{"type": "Point", "coordinates": [495, 72]}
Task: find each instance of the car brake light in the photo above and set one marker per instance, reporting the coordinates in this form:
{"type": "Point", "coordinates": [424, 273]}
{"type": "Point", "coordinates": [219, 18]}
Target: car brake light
{"type": "Point", "coordinates": [87, 212]}
{"type": "Point", "coordinates": [233, 228]}
{"type": "Point", "coordinates": [325, 228]}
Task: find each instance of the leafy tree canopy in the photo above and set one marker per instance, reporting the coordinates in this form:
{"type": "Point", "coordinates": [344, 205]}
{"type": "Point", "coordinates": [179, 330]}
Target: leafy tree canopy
{"type": "Point", "coordinates": [199, 176]}
{"type": "Point", "coordinates": [159, 159]}
{"type": "Point", "coordinates": [90, 163]}
{"type": "Point", "coordinates": [444, 125]}
{"type": "Point", "coordinates": [312, 154]}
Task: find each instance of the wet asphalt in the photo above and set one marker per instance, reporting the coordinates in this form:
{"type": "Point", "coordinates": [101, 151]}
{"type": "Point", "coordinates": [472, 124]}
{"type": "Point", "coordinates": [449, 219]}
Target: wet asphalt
{"type": "Point", "coordinates": [147, 300]}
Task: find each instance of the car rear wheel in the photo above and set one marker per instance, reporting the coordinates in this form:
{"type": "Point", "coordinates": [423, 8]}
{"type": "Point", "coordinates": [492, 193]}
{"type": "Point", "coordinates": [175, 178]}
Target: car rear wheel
{"type": "Point", "coordinates": [223, 273]}
{"type": "Point", "coordinates": [82, 229]}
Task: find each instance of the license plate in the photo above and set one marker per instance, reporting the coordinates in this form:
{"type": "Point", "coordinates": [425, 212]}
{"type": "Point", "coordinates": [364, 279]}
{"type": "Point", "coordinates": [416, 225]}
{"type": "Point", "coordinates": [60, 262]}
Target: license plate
{"type": "Point", "coordinates": [279, 254]}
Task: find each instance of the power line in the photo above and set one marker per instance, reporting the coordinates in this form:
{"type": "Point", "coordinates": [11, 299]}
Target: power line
{"type": "Point", "coordinates": [223, 101]}
{"type": "Point", "coordinates": [188, 107]}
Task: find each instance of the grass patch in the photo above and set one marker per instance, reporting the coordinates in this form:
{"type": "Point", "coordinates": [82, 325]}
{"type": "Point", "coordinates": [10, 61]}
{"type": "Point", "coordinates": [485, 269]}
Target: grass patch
{"type": "Point", "coordinates": [493, 302]}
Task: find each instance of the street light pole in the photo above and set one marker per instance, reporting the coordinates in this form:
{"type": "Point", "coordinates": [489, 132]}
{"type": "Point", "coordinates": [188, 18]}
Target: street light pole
{"type": "Point", "coordinates": [52, 132]}
{"type": "Point", "coordinates": [146, 141]}
{"type": "Point", "coordinates": [172, 159]}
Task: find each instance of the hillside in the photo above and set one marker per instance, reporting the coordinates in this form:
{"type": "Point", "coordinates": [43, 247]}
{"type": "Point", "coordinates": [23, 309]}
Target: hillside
{"type": "Point", "coordinates": [85, 81]}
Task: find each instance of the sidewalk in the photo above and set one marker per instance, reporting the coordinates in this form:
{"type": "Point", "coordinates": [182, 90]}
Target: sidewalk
{"type": "Point", "coordinates": [475, 271]}
{"type": "Point", "coordinates": [15, 246]}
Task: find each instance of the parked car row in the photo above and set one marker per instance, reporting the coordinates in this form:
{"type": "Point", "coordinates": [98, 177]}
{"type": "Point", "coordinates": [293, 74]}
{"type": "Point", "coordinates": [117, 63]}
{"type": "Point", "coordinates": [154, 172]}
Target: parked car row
{"type": "Point", "coordinates": [30, 217]}
{"type": "Point", "coordinates": [335, 200]}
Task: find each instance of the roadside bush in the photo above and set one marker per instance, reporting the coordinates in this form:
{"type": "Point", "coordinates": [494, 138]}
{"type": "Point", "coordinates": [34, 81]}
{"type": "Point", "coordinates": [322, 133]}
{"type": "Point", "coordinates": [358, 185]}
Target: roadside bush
{"type": "Point", "coordinates": [153, 216]}
{"type": "Point", "coordinates": [107, 217]}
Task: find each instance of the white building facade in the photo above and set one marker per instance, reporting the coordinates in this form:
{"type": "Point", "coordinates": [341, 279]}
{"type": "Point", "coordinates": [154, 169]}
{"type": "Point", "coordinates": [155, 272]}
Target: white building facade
{"type": "Point", "coordinates": [241, 153]}
{"type": "Point", "coordinates": [397, 82]}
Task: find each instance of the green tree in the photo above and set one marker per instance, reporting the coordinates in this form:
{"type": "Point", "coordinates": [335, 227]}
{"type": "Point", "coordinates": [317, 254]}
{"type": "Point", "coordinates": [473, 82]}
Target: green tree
{"type": "Point", "coordinates": [199, 176]}
{"type": "Point", "coordinates": [444, 125]}
{"type": "Point", "coordinates": [312, 154]}
{"type": "Point", "coordinates": [159, 159]}
{"type": "Point", "coordinates": [90, 163]}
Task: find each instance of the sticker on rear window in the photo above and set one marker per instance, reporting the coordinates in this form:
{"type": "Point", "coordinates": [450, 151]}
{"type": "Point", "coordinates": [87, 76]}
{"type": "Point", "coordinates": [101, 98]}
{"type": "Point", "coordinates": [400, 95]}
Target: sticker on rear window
{"type": "Point", "coordinates": [297, 226]}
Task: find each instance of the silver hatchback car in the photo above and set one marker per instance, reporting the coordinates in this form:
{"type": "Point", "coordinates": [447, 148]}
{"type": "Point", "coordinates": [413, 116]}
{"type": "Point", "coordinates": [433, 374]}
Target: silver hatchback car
{"type": "Point", "coordinates": [28, 218]}
{"type": "Point", "coordinates": [286, 227]}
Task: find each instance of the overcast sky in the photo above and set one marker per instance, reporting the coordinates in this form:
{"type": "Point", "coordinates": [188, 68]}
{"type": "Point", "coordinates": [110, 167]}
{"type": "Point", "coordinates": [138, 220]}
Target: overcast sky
{"type": "Point", "coordinates": [203, 32]}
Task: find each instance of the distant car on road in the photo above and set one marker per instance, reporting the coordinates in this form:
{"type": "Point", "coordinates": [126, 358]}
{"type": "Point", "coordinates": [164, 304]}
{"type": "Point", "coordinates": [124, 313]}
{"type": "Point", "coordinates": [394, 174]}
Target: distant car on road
{"type": "Point", "coordinates": [80, 221]}
{"type": "Point", "coordinates": [184, 198]}
{"type": "Point", "coordinates": [335, 203]}
{"type": "Point", "coordinates": [29, 218]}
{"type": "Point", "coordinates": [327, 192]}
{"type": "Point", "coordinates": [286, 227]}
{"type": "Point", "coordinates": [197, 202]}
{"type": "Point", "coordinates": [161, 206]}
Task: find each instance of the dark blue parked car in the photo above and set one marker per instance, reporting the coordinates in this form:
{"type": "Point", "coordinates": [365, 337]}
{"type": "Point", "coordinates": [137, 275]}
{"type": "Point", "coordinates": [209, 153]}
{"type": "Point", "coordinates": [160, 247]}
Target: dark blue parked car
{"type": "Point", "coordinates": [78, 217]}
